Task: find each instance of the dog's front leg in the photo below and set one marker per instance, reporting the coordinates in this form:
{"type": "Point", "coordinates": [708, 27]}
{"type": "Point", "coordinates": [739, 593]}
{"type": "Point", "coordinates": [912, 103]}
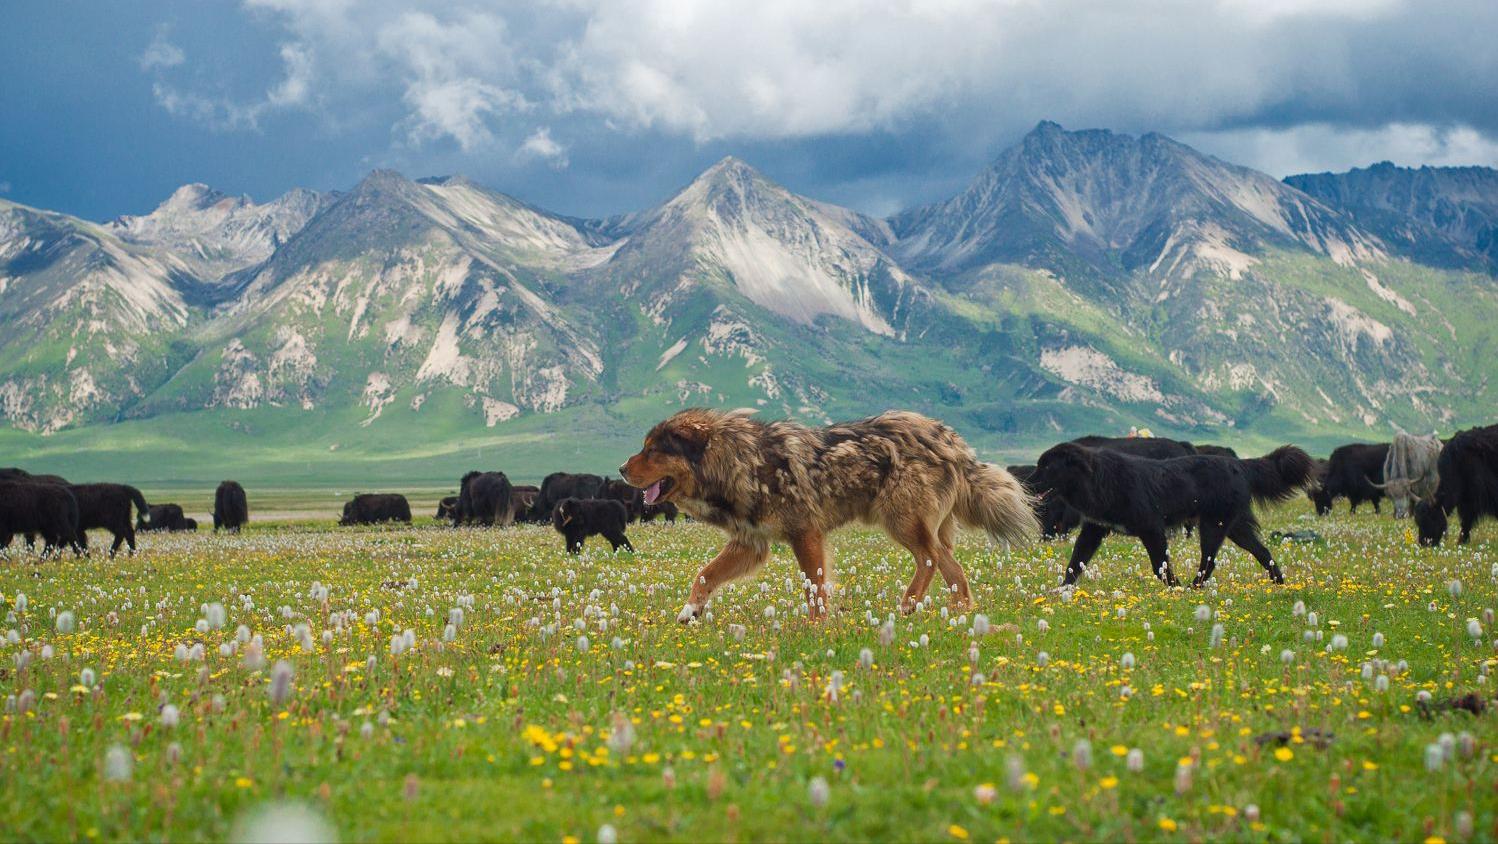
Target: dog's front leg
{"type": "Point", "coordinates": [811, 554]}
{"type": "Point", "coordinates": [738, 558]}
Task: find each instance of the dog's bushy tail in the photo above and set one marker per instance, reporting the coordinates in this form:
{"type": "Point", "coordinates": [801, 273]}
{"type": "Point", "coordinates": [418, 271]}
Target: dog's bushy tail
{"type": "Point", "coordinates": [990, 498]}
{"type": "Point", "coordinates": [1277, 475]}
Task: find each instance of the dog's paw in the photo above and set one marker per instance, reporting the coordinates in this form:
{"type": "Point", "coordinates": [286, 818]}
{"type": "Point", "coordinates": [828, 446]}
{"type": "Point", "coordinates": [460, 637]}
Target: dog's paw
{"type": "Point", "coordinates": [689, 613]}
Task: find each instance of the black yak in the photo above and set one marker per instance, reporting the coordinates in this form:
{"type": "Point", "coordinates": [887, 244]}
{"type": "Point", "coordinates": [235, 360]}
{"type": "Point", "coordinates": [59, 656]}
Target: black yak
{"type": "Point", "coordinates": [107, 506]}
{"type": "Point", "coordinates": [1352, 472]}
{"type": "Point", "coordinates": [46, 510]}
{"type": "Point", "coordinates": [665, 509]}
{"type": "Point", "coordinates": [231, 510]}
{"type": "Point", "coordinates": [576, 519]}
{"type": "Point", "coordinates": [522, 500]}
{"type": "Point", "coordinates": [373, 508]}
{"type": "Point", "coordinates": [447, 508]}
{"type": "Point", "coordinates": [484, 499]}
{"type": "Point", "coordinates": [1468, 467]}
{"type": "Point", "coordinates": [161, 517]}
{"type": "Point", "coordinates": [1143, 497]}
{"type": "Point", "coordinates": [633, 498]}
{"type": "Point", "coordinates": [1056, 517]}
{"type": "Point", "coordinates": [560, 485]}
{"type": "Point", "coordinates": [1218, 450]}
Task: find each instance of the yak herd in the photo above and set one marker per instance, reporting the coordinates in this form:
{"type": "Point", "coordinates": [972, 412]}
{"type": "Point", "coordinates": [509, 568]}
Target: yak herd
{"type": "Point", "coordinates": [1095, 484]}
{"type": "Point", "coordinates": [578, 505]}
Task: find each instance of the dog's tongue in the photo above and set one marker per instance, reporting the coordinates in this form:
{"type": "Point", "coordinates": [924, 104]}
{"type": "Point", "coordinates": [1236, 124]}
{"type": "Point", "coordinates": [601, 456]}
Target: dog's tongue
{"type": "Point", "coordinates": [652, 492]}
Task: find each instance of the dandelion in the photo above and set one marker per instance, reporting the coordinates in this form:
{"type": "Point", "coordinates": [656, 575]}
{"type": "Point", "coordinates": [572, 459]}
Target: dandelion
{"type": "Point", "coordinates": [866, 658]}
{"type": "Point", "coordinates": [1134, 762]}
{"type": "Point", "coordinates": [170, 716]}
{"type": "Point", "coordinates": [582, 644]}
{"type": "Point", "coordinates": [1474, 628]}
{"type": "Point", "coordinates": [1042, 625]}
{"type": "Point", "coordinates": [281, 677]}
{"type": "Point", "coordinates": [1287, 656]}
{"type": "Point", "coordinates": [1378, 640]}
{"type": "Point", "coordinates": [985, 793]}
{"type": "Point", "coordinates": [818, 792]}
{"type": "Point", "coordinates": [283, 822]}
{"type": "Point", "coordinates": [1014, 773]}
{"type": "Point", "coordinates": [1435, 757]}
{"type": "Point", "coordinates": [1454, 587]}
{"type": "Point", "coordinates": [887, 633]}
{"type": "Point", "coordinates": [1081, 754]}
{"type": "Point", "coordinates": [607, 835]}
{"type": "Point", "coordinates": [65, 622]}
{"type": "Point", "coordinates": [1299, 609]}
{"type": "Point", "coordinates": [1127, 661]}
{"type": "Point", "coordinates": [1042, 659]}
{"type": "Point", "coordinates": [366, 731]}
{"type": "Point", "coordinates": [1339, 642]}
{"type": "Point", "coordinates": [86, 678]}
{"type": "Point", "coordinates": [1183, 776]}
{"type": "Point", "coordinates": [117, 764]}
{"type": "Point", "coordinates": [1217, 634]}
{"type": "Point", "coordinates": [1203, 613]}
{"type": "Point", "coordinates": [20, 602]}
{"type": "Point", "coordinates": [621, 734]}
{"type": "Point", "coordinates": [1312, 619]}
{"type": "Point", "coordinates": [1251, 813]}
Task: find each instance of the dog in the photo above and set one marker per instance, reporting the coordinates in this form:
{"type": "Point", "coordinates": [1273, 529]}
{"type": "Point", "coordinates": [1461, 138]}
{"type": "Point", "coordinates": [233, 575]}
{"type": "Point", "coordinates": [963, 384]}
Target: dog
{"type": "Point", "coordinates": [576, 519]}
{"type": "Point", "coordinates": [766, 481]}
{"type": "Point", "coordinates": [1145, 498]}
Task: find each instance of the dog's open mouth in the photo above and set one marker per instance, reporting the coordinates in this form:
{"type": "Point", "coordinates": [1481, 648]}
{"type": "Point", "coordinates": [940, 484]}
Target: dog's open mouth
{"type": "Point", "coordinates": [658, 490]}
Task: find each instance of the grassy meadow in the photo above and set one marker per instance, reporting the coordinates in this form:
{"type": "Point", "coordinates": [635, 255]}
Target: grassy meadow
{"type": "Point", "coordinates": [427, 684]}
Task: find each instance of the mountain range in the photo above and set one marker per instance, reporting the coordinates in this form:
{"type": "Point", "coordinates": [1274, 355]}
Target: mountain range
{"type": "Point", "coordinates": [1084, 281]}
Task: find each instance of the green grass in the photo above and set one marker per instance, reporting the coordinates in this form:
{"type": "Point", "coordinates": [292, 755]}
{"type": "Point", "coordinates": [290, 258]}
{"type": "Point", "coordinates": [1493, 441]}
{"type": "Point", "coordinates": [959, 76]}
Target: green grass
{"type": "Point", "coordinates": [505, 731]}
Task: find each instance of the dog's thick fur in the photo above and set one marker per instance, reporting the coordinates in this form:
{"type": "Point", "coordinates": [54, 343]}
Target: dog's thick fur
{"type": "Point", "coordinates": [107, 506]}
{"type": "Point", "coordinates": [1468, 468]}
{"type": "Point", "coordinates": [374, 507]}
{"type": "Point", "coordinates": [1145, 498]}
{"type": "Point", "coordinates": [1057, 518]}
{"type": "Point", "coordinates": [762, 482]}
{"type": "Point", "coordinates": [231, 509]}
{"type": "Point", "coordinates": [32, 509]}
{"type": "Point", "coordinates": [576, 519]}
{"type": "Point", "coordinates": [1352, 472]}
{"type": "Point", "coordinates": [484, 499]}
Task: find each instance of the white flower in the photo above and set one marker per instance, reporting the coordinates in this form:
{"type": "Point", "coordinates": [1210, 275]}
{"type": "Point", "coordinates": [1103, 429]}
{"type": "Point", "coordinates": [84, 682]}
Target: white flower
{"type": "Point", "coordinates": [818, 792]}
{"type": "Point", "coordinates": [65, 622]}
{"type": "Point", "coordinates": [1042, 658]}
{"type": "Point", "coordinates": [607, 835]}
{"type": "Point", "coordinates": [1474, 628]}
{"type": "Point", "coordinates": [1127, 661]}
{"type": "Point", "coordinates": [1287, 656]}
{"type": "Point", "coordinates": [1134, 761]}
{"type": "Point", "coordinates": [980, 625]}
{"type": "Point", "coordinates": [170, 716]}
{"type": "Point", "coordinates": [1378, 640]}
{"type": "Point", "coordinates": [117, 764]}
{"type": "Point", "coordinates": [1203, 613]}
{"type": "Point", "coordinates": [86, 678]}
{"type": "Point", "coordinates": [866, 658]}
{"type": "Point", "coordinates": [1081, 754]}
{"type": "Point", "coordinates": [281, 677]}
{"type": "Point", "coordinates": [1455, 588]}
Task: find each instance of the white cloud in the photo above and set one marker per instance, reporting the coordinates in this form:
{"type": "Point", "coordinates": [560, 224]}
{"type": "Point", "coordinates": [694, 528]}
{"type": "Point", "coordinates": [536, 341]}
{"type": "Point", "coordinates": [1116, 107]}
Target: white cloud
{"type": "Point", "coordinates": [1318, 147]}
{"type": "Point", "coordinates": [161, 53]}
{"type": "Point", "coordinates": [541, 146]}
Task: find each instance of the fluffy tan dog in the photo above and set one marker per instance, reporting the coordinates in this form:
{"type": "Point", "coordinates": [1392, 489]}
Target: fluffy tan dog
{"type": "Point", "coordinates": [762, 482]}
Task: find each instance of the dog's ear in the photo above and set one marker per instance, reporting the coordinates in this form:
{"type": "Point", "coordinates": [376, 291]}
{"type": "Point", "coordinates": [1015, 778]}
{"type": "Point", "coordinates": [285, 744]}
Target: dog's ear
{"type": "Point", "coordinates": [687, 439]}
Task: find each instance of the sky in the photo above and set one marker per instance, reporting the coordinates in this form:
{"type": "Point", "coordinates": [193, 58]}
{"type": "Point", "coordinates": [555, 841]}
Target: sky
{"type": "Point", "coordinates": [596, 107]}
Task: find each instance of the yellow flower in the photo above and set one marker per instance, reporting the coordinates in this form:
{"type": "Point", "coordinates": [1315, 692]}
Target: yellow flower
{"type": "Point", "coordinates": [1108, 782]}
{"type": "Point", "coordinates": [1369, 766]}
{"type": "Point", "coordinates": [1118, 750]}
{"type": "Point", "coordinates": [1284, 754]}
{"type": "Point", "coordinates": [1167, 824]}
{"type": "Point", "coordinates": [957, 832]}
{"type": "Point", "coordinates": [244, 782]}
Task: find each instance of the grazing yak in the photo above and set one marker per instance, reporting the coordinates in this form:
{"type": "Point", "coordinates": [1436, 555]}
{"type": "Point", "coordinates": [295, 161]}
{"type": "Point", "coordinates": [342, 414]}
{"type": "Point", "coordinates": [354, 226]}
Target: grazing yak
{"type": "Point", "coordinates": [1057, 518]}
{"type": "Point", "coordinates": [447, 509]}
{"type": "Point", "coordinates": [576, 519]}
{"type": "Point", "coordinates": [107, 506]}
{"type": "Point", "coordinates": [484, 499]}
{"type": "Point", "coordinates": [1468, 467]}
{"type": "Point", "coordinates": [231, 510]}
{"type": "Point", "coordinates": [1353, 472]}
{"type": "Point", "coordinates": [1218, 450]}
{"type": "Point", "coordinates": [631, 497]}
{"type": "Point", "coordinates": [167, 517]}
{"type": "Point", "coordinates": [560, 485]}
{"type": "Point", "coordinates": [665, 509]}
{"type": "Point", "coordinates": [14, 474]}
{"type": "Point", "coordinates": [522, 500]}
{"type": "Point", "coordinates": [375, 507]}
{"type": "Point", "coordinates": [46, 510]}
{"type": "Point", "coordinates": [1410, 471]}
{"type": "Point", "coordinates": [1145, 498]}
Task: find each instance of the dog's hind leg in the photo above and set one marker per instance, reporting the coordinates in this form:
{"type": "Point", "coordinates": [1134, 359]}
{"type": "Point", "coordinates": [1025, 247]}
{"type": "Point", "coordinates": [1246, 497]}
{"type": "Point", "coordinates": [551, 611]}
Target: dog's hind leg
{"type": "Point", "coordinates": [811, 555]}
{"type": "Point", "coordinates": [1088, 540]}
{"type": "Point", "coordinates": [930, 554]}
{"type": "Point", "coordinates": [738, 558]}
{"type": "Point", "coordinates": [1245, 534]}
{"type": "Point", "coordinates": [1212, 534]}
{"type": "Point", "coordinates": [1159, 550]}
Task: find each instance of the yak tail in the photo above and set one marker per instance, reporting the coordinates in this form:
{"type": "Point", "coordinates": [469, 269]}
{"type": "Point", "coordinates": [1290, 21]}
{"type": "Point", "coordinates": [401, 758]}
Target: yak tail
{"type": "Point", "coordinates": [143, 509]}
{"type": "Point", "coordinates": [991, 499]}
{"type": "Point", "coordinates": [1277, 475]}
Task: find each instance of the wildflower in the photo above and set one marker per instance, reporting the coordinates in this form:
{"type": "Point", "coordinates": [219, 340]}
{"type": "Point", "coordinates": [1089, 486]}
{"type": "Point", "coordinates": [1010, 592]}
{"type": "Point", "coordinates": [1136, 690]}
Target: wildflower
{"type": "Point", "coordinates": [1183, 776]}
{"type": "Point", "coordinates": [1014, 773]}
{"type": "Point", "coordinates": [607, 835]}
{"type": "Point", "coordinates": [1454, 587]}
{"type": "Point", "coordinates": [117, 764]}
{"type": "Point", "coordinates": [1287, 656]}
{"type": "Point", "coordinates": [281, 677]}
{"type": "Point", "coordinates": [86, 678]}
{"type": "Point", "coordinates": [985, 793]}
{"type": "Point", "coordinates": [818, 792]}
{"type": "Point", "coordinates": [887, 633]}
{"type": "Point", "coordinates": [582, 644]}
{"type": "Point", "coordinates": [1167, 824]}
{"type": "Point", "coordinates": [1217, 634]}
{"type": "Point", "coordinates": [1251, 813]}
{"type": "Point", "coordinates": [1339, 642]}
{"type": "Point", "coordinates": [1203, 613]}
{"type": "Point", "coordinates": [1434, 757]}
{"type": "Point", "coordinates": [866, 658]}
{"type": "Point", "coordinates": [621, 734]}
{"type": "Point", "coordinates": [1081, 754]}
{"type": "Point", "coordinates": [1127, 661]}
{"type": "Point", "coordinates": [1378, 640]}
{"type": "Point", "coordinates": [366, 731]}
{"type": "Point", "coordinates": [1134, 762]}
{"type": "Point", "coordinates": [980, 625]}
{"type": "Point", "coordinates": [1042, 625]}
{"type": "Point", "coordinates": [20, 602]}
{"type": "Point", "coordinates": [65, 622]}
{"type": "Point", "coordinates": [1474, 628]}
{"type": "Point", "coordinates": [254, 658]}
{"type": "Point", "coordinates": [1299, 609]}
{"type": "Point", "coordinates": [1313, 620]}
{"type": "Point", "coordinates": [1042, 659]}
{"type": "Point", "coordinates": [283, 822]}
{"type": "Point", "coordinates": [170, 716]}
{"type": "Point", "coordinates": [957, 832]}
